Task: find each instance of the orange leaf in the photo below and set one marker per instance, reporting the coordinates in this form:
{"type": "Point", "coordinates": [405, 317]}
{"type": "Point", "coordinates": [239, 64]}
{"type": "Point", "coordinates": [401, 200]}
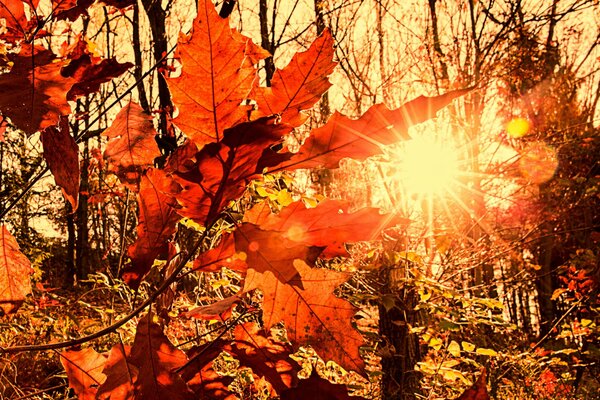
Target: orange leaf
{"type": "Point", "coordinates": [34, 91]}
{"type": "Point", "coordinates": [15, 269]}
{"type": "Point", "coordinates": [62, 155]}
{"type": "Point", "coordinates": [268, 251]}
{"type": "Point", "coordinates": [343, 137]}
{"type": "Point", "coordinates": [328, 225]}
{"type": "Point", "coordinates": [312, 314]}
{"type": "Point", "coordinates": [131, 146]}
{"type": "Point", "coordinates": [119, 375]}
{"type": "Point", "coordinates": [84, 370]}
{"type": "Point", "coordinates": [223, 255]}
{"type": "Point", "coordinates": [219, 309]}
{"type": "Point", "coordinates": [157, 223]}
{"type": "Point", "coordinates": [300, 85]}
{"type": "Point", "coordinates": [217, 75]}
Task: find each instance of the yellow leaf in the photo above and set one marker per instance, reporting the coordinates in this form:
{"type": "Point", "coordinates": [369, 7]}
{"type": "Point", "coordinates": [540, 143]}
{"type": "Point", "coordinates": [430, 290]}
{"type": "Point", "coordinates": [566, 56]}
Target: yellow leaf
{"type": "Point", "coordinates": [454, 349]}
{"type": "Point", "coordinates": [486, 352]}
{"type": "Point", "coordinates": [468, 346]}
{"type": "Point", "coordinates": [557, 293]}
{"type": "Point", "coordinates": [435, 343]}
{"type": "Point", "coordinates": [586, 322]}
{"type": "Point", "coordinates": [284, 198]}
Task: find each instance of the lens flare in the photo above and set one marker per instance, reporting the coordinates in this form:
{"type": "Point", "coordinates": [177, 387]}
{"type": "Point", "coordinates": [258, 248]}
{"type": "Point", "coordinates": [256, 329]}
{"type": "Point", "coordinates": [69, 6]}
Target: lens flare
{"type": "Point", "coordinates": [538, 162]}
{"type": "Point", "coordinates": [517, 127]}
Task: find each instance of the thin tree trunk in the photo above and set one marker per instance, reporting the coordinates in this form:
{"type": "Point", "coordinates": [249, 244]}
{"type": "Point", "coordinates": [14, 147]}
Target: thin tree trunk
{"type": "Point", "coordinates": [266, 40]}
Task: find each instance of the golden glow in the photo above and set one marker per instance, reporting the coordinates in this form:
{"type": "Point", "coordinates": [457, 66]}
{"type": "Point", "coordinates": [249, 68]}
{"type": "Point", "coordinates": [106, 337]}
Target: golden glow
{"type": "Point", "coordinates": [517, 127]}
{"type": "Point", "coordinates": [428, 167]}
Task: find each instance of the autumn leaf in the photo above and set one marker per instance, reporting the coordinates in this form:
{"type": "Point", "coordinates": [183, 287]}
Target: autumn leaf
{"type": "Point", "coordinates": [328, 225]}
{"type": "Point", "coordinates": [299, 85]}
{"type": "Point", "coordinates": [222, 255]}
{"type": "Point", "coordinates": [218, 73]}
{"type": "Point", "coordinates": [70, 9]}
{"type": "Point", "coordinates": [62, 155]}
{"type": "Point", "coordinates": [15, 269]}
{"type": "Point", "coordinates": [312, 314]}
{"type": "Point", "coordinates": [13, 12]}
{"type": "Point", "coordinates": [317, 388]}
{"type": "Point", "coordinates": [156, 360]}
{"type": "Point", "coordinates": [271, 251]}
{"type": "Point", "coordinates": [131, 147]}
{"type": "Point", "coordinates": [478, 391]}
{"type": "Point", "coordinates": [84, 371]}
{"type": "Point", "coordinates": [157, 222]}
{"type": "Point", "coordinates": [119, 375]}
{"type": "Point", "coordinates": [360, 138]}
{"type": "Point", "coordinates": [89, 71]}
{"type": "Point", "coordinates": [200, 375]}
{"type": "Point", "coordinates": [218, 310]}
{"type": "Point", "coordinates": [219, 172]}
{"type": "Point", "coordinates": [34, 91]}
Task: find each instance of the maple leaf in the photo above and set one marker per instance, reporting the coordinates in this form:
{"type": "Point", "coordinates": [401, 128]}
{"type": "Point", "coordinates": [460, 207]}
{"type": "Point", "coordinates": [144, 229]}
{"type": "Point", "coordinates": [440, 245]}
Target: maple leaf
{"type": "Point", "coordinates": [328, 225]}
{"type": "Point", "coordinates": [342, 137]}
{"type": "Point", "coordinates": [312, 314]}
{"type": "Point", "coordinates": [317, 388]}
{"type": "Point", "coordinates": [157, 223]}
{"type": "Point", "coordinates": [15, 269]}
{"type": "Point", "coordinates": [478, 391]}
{"type": "Point", "coordinates": [299, 85]}
{"type": "Point", "coordinates": [34, 91]}
{"type": "Point", "coordinates": [62, 155]}
{"type": "Point", "coordinates": [218, 73]}
{"type": "Point", "coordinates": [84, 371]}
{"type": "Point", "coordinates": [156, 360]}
{"type": "Point", "coordinates": [219, 172]}
{"type": "Point", "coordinates": [119, 375]}
{"type": "Point", "coordinates": [131, 147]}
{"type": "Point", "coordinates": [271, 251]}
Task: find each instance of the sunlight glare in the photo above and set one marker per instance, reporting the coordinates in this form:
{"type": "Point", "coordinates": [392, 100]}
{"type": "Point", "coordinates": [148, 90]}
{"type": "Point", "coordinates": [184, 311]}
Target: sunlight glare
{"type": "Point", "coordinates": [428, 166]}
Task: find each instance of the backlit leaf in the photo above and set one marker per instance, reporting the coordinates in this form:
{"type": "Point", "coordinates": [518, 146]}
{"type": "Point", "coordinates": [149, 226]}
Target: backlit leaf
{"type": "Point", "coordinates": [15, 269]}
{"type": "Point", "coordinates": [478, 391]}
{"type": "Point", "coordinates": [84, 371]}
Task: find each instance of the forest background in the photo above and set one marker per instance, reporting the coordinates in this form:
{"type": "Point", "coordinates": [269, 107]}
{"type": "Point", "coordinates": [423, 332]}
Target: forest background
{"type": "Point", "coordinates": [184, 214]}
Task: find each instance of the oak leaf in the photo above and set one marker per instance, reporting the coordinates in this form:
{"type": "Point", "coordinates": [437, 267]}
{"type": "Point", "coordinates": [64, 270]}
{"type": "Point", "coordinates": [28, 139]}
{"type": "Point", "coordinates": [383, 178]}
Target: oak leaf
{"type": "Point", "coordinates": [34, 91]}
{"type": "Point", "coordinates": [120, 375]}
{"type": "Point", "coordinates": [219, 172]}
{"type": "Point", "coordinates": [312, 314]}
{"type": "Point", "coordinates": [299, 85]}
{"type": "Point", "coordinates": [156, 359]}
{"type": "Point", "coordinates": [218, 73]}
{"type": "Point", "coordinates": [157, 222]}
{"type": "Point", "coordinates": [361, 138]}
{"type": "Point", "coordinates": [16, 21]}
{"type": "Point", "coordinates": [15, 269]}
{"type": "Point", "coordinates": [131, 147]}
{"type": "Point", "coordinates": [218, 310]}
{"type": "Point", "coordinates": [222, 255]}
{"type": "Point", "coordinates": [271, 251]}
{"type": "Point", "coordinates": [329, 224]}
{"type": "Point", "coordinates": [62, 155]}
{"type": "Point", "coordinates": [84, 371]}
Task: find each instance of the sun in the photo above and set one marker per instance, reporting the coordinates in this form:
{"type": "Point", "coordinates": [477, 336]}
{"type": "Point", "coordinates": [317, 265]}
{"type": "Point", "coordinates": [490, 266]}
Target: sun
{"type": "Point", "coordinates": [428, 167]}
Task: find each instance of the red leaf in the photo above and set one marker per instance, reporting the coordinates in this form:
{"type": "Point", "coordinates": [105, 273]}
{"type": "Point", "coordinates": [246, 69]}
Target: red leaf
{"type": "Point", "coordinates": [157, 223]}
{"type": "Point", "coordinates": [223, 255]}
{"type": "Point", "coordinates": [15, 269]}
{"type": "Point", "coordinates": [131, 147]}
{"type": "Point", "coordinates": [13, 12]}
{"type": "Point", "coordinates": [217, 75]}
{"type": "Point", "coordinates": [220, 171]}
{"type": "Point", "coordinates": [317, 388]}
{"type": "Point", "coordinates": [300, 85]}
{"type": "Point", "coordinates": [343, 137]}
{"type": "Point", "coordinates": [62, 155]}
{"type": "Point", "coordinates": [478, 391]}
{"type": "Point", "coordinates": [34, 91]}
{"type": "Point", "coordinates": [70, 9]}
{"type": "Point", "coordinates": [312, 314]}
{"type": "Point", "coordinates": [156, 360]}
{"type": "Point", "coordinates": [328, 225]}
{"type": "Point", "coordinates": [84, 370]}
{"type": "Point", "coordinates": [200, 375]}
{"type": "Point", "coordinates": [268, 251]}
{"type": "Point", "coordinates": [119, 376]}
